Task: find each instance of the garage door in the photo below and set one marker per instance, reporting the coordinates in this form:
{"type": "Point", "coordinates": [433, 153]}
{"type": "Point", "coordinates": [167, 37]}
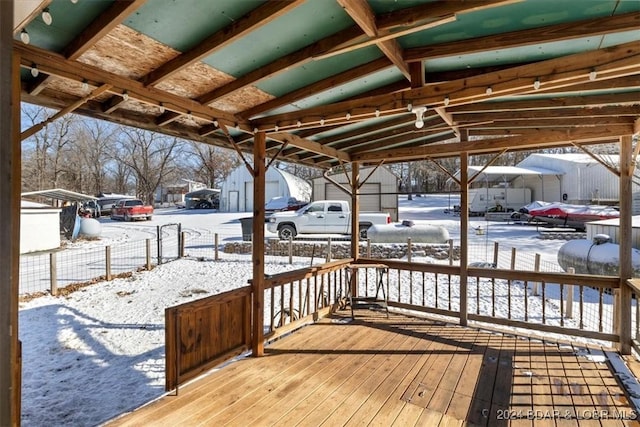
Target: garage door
{"type": "Point", "coordinates": [370, 198]}
{"type": "Point", "coordinates": [271, 190]}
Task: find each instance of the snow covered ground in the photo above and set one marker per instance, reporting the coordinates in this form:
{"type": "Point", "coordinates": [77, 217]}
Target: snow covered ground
{"type": "Point", "coordinates": [98, 352]}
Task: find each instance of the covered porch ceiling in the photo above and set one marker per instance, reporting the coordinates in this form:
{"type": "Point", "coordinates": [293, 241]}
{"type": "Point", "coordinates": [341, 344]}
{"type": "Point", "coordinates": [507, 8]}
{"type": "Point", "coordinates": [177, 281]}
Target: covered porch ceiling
{"type": "Point", "coordinates": [335, 81]}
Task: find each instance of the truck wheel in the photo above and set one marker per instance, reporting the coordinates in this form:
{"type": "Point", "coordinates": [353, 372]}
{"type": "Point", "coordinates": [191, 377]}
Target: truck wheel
{"type": "Point", "coordinates": [363, 231]}
{"type": "Point", "coordinates": [127, 218]}
{"type": "Point", "coordinates": [149, 217]}
{"type": "Point", "coordinates": [286, 232]}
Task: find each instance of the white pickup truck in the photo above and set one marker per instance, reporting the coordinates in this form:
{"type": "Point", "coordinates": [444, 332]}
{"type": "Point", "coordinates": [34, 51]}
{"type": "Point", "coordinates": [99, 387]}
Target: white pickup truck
{"type": "Point", "coordinates": [322, 217]}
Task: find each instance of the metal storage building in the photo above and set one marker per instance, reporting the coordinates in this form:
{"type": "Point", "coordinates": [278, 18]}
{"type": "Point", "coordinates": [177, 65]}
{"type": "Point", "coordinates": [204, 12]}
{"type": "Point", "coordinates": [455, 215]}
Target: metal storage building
{"type": "Point", "coordinates": [237, 189]}
{"type": "Point", "coordinates": [581, 179]}
{"type": "Point", "coordinates": [378, 194]}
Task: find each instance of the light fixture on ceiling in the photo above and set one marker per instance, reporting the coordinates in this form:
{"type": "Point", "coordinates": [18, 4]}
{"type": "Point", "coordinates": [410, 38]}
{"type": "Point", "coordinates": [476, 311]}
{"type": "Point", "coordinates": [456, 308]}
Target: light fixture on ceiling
{"type": "Point", "coordinates": [446, 101]}
{"type": "Point", "coordinates": [377, 112]}
{"type": "Point", "coordinates": [46, 16]}
{"type": "Point", "coordinates": [299, 123]}
{"type": "Point", "coordinates": [409, 107]}
{"type": "Point", "coordinates": [125, 95]}
{"type": "Point", "coordinates": [276, 128]}
{"type": "Point", "coordinates": [34, 70]}
{"type": "Point", "coordinates": [419, 111]}
{"type": "Point", "coordinates": [255, 130]}
{"type": "Point", "coordinates": [593, 75]}
{"type": "Point", "coordinates": [348, 116]}
{"type": "Point", "coordinates": [215, 123]}
{"type": "Point", "coordinates": [489, 90]}
{"type": "Point", "coordinates": [74, 1]}
{"type": "Point", "coordinates": [536, 84]}
{"type": "Point", "coordinates": [85, 85]}
{"type": "Point", "coordinates": [24, 36]}
{"type": "Point", "coordinates": [162, 108]}
{"type": "Point", "coordinates": [237, 126]}
{"type": "Point", "coordinates": [322, 121]}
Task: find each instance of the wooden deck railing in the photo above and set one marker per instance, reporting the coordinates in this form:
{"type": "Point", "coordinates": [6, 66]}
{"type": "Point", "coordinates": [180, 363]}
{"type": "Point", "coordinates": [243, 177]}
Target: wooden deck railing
{"type": "Point", "coordinates": [301, 296]}
{"type": "Point", "coordinates": [203, 333]}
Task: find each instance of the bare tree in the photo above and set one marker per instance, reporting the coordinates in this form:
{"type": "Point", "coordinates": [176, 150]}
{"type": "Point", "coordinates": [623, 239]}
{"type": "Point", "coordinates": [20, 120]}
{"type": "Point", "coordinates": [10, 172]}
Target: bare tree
{"type": "Point", "coordinates": [94, 142]}
{"type": "Point", "coordinates": [212, 165]}
{"type": "Point", "coordinates": [150, 156]}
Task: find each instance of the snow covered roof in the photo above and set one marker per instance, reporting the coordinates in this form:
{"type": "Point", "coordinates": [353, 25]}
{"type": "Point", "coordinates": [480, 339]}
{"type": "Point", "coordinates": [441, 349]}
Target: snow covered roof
{"type": "Point", "coordinates": [60, 194]}
{"type": "Point", "coordinates": [298, 187]}
{"type": "Point", "coordinates": [505, 173]}
{"type": "Point", "coordinates": [27, 204]}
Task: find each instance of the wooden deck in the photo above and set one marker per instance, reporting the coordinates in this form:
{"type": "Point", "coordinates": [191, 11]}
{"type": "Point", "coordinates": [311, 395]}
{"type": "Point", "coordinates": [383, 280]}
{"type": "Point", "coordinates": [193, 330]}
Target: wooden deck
{"type": "Point", "coordinates": [399, 371]}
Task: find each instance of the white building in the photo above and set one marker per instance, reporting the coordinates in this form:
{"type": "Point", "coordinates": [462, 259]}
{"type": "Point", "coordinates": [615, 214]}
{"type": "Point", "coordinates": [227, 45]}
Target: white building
{"type": "Point", "coordinates": [237, 189]}
{"type": "Point", "coordinates": [580, 179]}
{"type": "Point", "coordinates": [378, 194]}
{"type": "Point", "coordinates": [39, 227]}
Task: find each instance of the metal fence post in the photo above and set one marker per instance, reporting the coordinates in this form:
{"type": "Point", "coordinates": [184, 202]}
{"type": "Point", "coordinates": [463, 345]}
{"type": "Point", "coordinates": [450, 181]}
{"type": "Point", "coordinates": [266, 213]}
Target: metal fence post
{"type": "Point", "coordinates": [107, 256]}
{"type": "Point", "coordinates": [409, 249]}
{"type": "Point", "coordinates": [290, 250]}
{"type": "Point", "coordinates": [181, 250]}
{"type": "Point", "coordinates": [536, 268]}
{"type": "Point", "coordinates": [215, 245]}
{"type": "Point", "coordinates": [159, 239]}
{"type": "Point", "coordinates": [148, 260]}
{"type": "Point", "coordinates": [329, 249]}
{"type": "Point", "coordinates": [53, 274]}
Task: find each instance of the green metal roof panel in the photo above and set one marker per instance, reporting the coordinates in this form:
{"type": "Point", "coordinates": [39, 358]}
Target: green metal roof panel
{"type": "Point", "coordinates": [274, 40]}
{"type": "Point", "coordinates": [191, 20]}
{"type": "Point", "coordinates": [516, 17]}
{"type": "Point", "coordinates": [524, 54]}
{"type": "Point", "coordinates": [345, 91]}
{"type": "Point", "coordinates": [65, 26]}
{"type": "Point", "coordinates": [314, 71]}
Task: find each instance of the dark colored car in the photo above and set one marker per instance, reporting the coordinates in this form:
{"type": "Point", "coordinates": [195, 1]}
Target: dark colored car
{"type": "Point", "coordinates": [281, 204]}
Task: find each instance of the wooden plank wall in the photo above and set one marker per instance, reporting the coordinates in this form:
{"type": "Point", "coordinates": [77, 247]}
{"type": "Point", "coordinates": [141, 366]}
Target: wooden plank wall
{"type": "Point", "coordinates": [203, 333]}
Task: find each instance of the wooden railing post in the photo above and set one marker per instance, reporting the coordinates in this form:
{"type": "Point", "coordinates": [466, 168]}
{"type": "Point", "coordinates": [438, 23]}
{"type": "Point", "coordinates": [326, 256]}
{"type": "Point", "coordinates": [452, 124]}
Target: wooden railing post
{"type": "Point", "coordinates": [569, 306]}
{"type": "Point", "coordinates": [107, 262]}
{"type": "Point", "coordinates": [368, 247]}
{"type": "Point", "coordinates": [53, 274]}
{"type": "Point", "coordinates": [329, 249]}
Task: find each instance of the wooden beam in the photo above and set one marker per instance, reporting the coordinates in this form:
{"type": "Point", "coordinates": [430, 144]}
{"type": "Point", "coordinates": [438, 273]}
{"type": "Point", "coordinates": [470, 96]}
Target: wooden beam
{"type": "Point", "coordinates": [70, 108]}
{"type": "Point", "coordinates": [101, 26]}
{"type": "Point", "coordinates": [57, 65]}
{"type": "Point", "coordinates": [492, 145]}
{"type": "Point", "coordinates": [613, 62]}
{"type": "Point", "coordinates": [534, 36]}
{"type": "Point", "coordinates": [256, 18]}
{"type": "Point", "coordinates": [307, 91]}
{"type": "Point", "coordinates": [623, 297]}
{"type": "Point", "coordinates": [292, 60]}
{"type": "Point", "coordinates": [309, 145]}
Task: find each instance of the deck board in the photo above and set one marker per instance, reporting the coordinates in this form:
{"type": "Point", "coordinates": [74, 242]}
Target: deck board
{"type": "Point", "coordinates": [400, 371]}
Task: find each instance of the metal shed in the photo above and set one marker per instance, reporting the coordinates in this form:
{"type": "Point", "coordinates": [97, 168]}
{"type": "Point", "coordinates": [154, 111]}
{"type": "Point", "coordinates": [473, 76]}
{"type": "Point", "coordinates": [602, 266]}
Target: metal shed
{"type": "Point", "coordinates": [582, 179]}
{"type": "Point", "coordinates": [377, 194]}
{"type": "Point", "coordinates": [237, 189]}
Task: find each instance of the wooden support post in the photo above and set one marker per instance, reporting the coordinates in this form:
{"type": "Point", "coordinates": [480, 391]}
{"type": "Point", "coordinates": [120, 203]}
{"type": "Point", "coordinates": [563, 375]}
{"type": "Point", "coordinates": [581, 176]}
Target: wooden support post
{"type": "Point", "coordinates": [464, 234]}
{"type": "Point", "coordinates": [259, 169]}
{"type": "Point", "coordinates": [409, 249]}
{"type": "Point", "coordinates": [216, 256]}
{"type": "Point", "coordinates": [53, 274]}
{"type": "Point", "coordinates": [10, 165]}
{"type": "Point", "coordinates": [355, 211]}
{"type": "Point", "coordinates": [623, 315]}
{"type": "Point", "coordinates": [368, 247]}
{"type": "Point", "coordinates": [329, 249]}
{"type": "Point", "coordinates": [107, 262]}
{"type": "Point", "coordinates": [148, 255]}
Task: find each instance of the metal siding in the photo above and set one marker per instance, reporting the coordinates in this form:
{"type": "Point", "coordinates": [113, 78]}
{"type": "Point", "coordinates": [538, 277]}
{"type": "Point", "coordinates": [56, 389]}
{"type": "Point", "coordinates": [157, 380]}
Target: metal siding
{"type": "Point", "coordinates": [369, 196]}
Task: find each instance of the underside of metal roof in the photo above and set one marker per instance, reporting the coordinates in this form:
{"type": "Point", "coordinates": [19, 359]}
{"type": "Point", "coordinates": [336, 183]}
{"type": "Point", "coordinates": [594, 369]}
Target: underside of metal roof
{"type": "Point", "coordinates": [337, 81]}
